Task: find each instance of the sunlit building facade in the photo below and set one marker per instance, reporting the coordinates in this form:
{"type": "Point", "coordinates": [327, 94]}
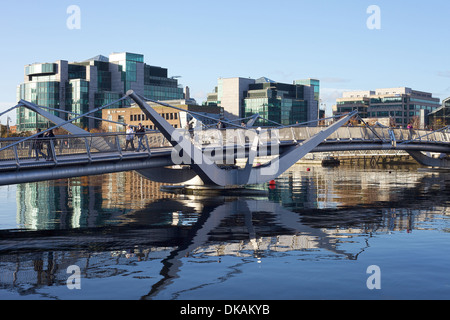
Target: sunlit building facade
{"type": "Point", "coordinates": [402, 106]}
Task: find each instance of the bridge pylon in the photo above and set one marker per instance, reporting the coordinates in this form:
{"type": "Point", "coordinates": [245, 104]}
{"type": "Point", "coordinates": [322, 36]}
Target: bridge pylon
{"type": "Point", "coordinates": [213, 175]}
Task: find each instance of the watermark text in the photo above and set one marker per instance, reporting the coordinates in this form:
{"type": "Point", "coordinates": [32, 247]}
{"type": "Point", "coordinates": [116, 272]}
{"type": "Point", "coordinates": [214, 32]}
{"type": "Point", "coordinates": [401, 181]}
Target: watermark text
{"type": "Point", "coordinates": [73, 22]}
{"type": "Point", "coordinates": [374, 20]}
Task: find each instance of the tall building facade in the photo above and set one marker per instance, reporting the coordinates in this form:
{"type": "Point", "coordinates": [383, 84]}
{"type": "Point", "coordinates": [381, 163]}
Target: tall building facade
{"type": "Point", "coordinates": [80, 87]}
{"type": "Point", "coordinates": [402, 106]}
{"type": "Point", "coordinates": [277, 102]}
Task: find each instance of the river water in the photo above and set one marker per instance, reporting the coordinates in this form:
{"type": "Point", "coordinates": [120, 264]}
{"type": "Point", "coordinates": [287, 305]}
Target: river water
{"type": "Point", "coordinates": [350, 232]}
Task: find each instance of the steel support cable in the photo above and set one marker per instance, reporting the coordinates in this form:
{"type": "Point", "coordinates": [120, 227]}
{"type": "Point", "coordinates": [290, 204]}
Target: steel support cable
{"type": "Point", "coordinates": [235, 120]}
{"type": "Point", "coordinates": [370, 128]}
{"type": "Point", "coordinates": [238, 126]}
{"type": "Point", "coordinates": [187, 111]}
{"type": "Point", "coordinates": [304, 123]}
{"type": "Point", "coordinates": [10, 109]}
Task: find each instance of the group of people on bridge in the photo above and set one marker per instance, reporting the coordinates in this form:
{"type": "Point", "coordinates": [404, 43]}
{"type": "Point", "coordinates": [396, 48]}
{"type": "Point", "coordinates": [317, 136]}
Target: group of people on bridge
{"type": "Point", "coordinates": [41, 141]}
{"type": "Point", "coordinates": [129, 139]}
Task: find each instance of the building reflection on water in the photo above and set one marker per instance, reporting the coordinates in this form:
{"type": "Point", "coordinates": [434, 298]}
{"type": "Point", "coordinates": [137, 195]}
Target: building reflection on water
{"type": "Point", "coordinates": [104, 224]}
{"type": "Point", "coordinates": [83, 202]}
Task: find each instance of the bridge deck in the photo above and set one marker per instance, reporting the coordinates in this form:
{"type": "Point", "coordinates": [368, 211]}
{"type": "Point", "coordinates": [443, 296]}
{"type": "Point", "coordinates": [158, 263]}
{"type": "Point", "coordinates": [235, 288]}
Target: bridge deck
{"type": "Point", "coordinates": [85, 151]}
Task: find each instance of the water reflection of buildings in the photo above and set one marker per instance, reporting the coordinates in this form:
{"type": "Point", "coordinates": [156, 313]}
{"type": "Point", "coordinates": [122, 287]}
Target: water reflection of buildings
{"type": "Point", "coordinates": [83, 202]}
{"type": "Point", "coordinates": [121, 190]}
{"type": "Point", "coordinates": [167, 228]}
{"type": "Point", "coordinates": [92, 201]}
{"type": "Point", "coordinates": [343, 186]}
{"type": "Point", "coordinates": [359, 188]}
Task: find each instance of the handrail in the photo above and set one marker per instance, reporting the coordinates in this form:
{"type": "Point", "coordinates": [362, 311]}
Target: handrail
{"type": "Point", "coordinates": [67, 148]}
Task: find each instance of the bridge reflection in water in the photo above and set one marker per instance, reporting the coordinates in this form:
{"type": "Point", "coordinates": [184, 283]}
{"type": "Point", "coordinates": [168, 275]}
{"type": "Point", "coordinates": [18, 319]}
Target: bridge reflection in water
{"type": "Point", "coordinates": [108, 225]}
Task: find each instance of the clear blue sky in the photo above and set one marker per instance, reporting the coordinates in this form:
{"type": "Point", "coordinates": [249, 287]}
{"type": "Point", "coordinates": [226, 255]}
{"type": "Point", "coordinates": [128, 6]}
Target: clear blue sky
{"type": "Point", "coordinates": [203, 40]}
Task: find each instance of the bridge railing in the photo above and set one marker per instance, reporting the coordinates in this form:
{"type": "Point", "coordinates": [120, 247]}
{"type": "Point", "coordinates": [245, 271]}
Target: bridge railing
{"type": "Point", "coordinates": [224, 137]}
{"type": "Point", "coordinates": [60, 147]}
{"type": "Point", "coordinates": [362, 133]}
{"type": "Point", "coordinates": [14, 152]}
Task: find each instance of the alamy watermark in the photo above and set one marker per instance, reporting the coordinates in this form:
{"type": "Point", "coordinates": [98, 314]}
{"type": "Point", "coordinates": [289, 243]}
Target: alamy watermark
{"type": "Point", "coordinates": [73, 22]}
{"type": "Point", "coordinates": [374, 280]}
{"type": "Point", "coordinates": [74, 280]}
{"type": "Point", "coordinates": [374, 20]}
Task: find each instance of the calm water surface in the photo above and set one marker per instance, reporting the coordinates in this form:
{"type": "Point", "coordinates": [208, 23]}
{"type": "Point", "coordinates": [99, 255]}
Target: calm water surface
{"type": "Point", "coordinates": [313, 236]}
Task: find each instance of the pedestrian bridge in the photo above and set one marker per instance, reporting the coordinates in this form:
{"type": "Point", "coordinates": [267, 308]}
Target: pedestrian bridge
{"type": "Point", "coordinates": [204, 156]}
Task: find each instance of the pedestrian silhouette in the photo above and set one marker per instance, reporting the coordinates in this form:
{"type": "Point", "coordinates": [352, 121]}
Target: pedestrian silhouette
{"type": "Point", "coordinates": [38, 144]}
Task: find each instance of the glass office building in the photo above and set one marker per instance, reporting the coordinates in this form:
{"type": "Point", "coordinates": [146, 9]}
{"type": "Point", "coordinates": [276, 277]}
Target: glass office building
{"type": "Point", "coordinates": [79, 87]}
{"type": "Point", "coordinates": [278, 103]}
{"type": "Point", "coordinates": [46, 93]}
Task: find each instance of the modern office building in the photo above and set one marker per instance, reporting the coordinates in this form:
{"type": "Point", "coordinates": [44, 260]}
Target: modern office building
{"type": "Point", "coordinates": [229, 94]}
{"type": "Point", "coordinates": [401, 106]}
{"type": "Point", "coordinates": [351, 101]}
{"type": "Point", "coordinates": [80, 87]}
{"type": "Point", "coordinates": [441, 116]}
{"type": "Point", "coordinates": [277, 102]}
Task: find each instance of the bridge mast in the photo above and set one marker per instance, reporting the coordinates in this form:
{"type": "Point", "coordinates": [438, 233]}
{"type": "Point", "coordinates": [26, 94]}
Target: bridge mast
{"type": "Point", "coordinates": [212, 175]}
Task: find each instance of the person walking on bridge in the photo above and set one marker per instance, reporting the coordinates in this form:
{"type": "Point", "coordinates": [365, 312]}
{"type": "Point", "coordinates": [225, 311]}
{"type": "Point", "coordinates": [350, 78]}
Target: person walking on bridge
{"type": "Point", "coordinates": [140, 132]}
{"type": "Point", "coordinates": [50, 136]}
{"type": "Point", "coordinates": [129, 138]}
{"type": "Point", "coordinates": [37, 145]}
